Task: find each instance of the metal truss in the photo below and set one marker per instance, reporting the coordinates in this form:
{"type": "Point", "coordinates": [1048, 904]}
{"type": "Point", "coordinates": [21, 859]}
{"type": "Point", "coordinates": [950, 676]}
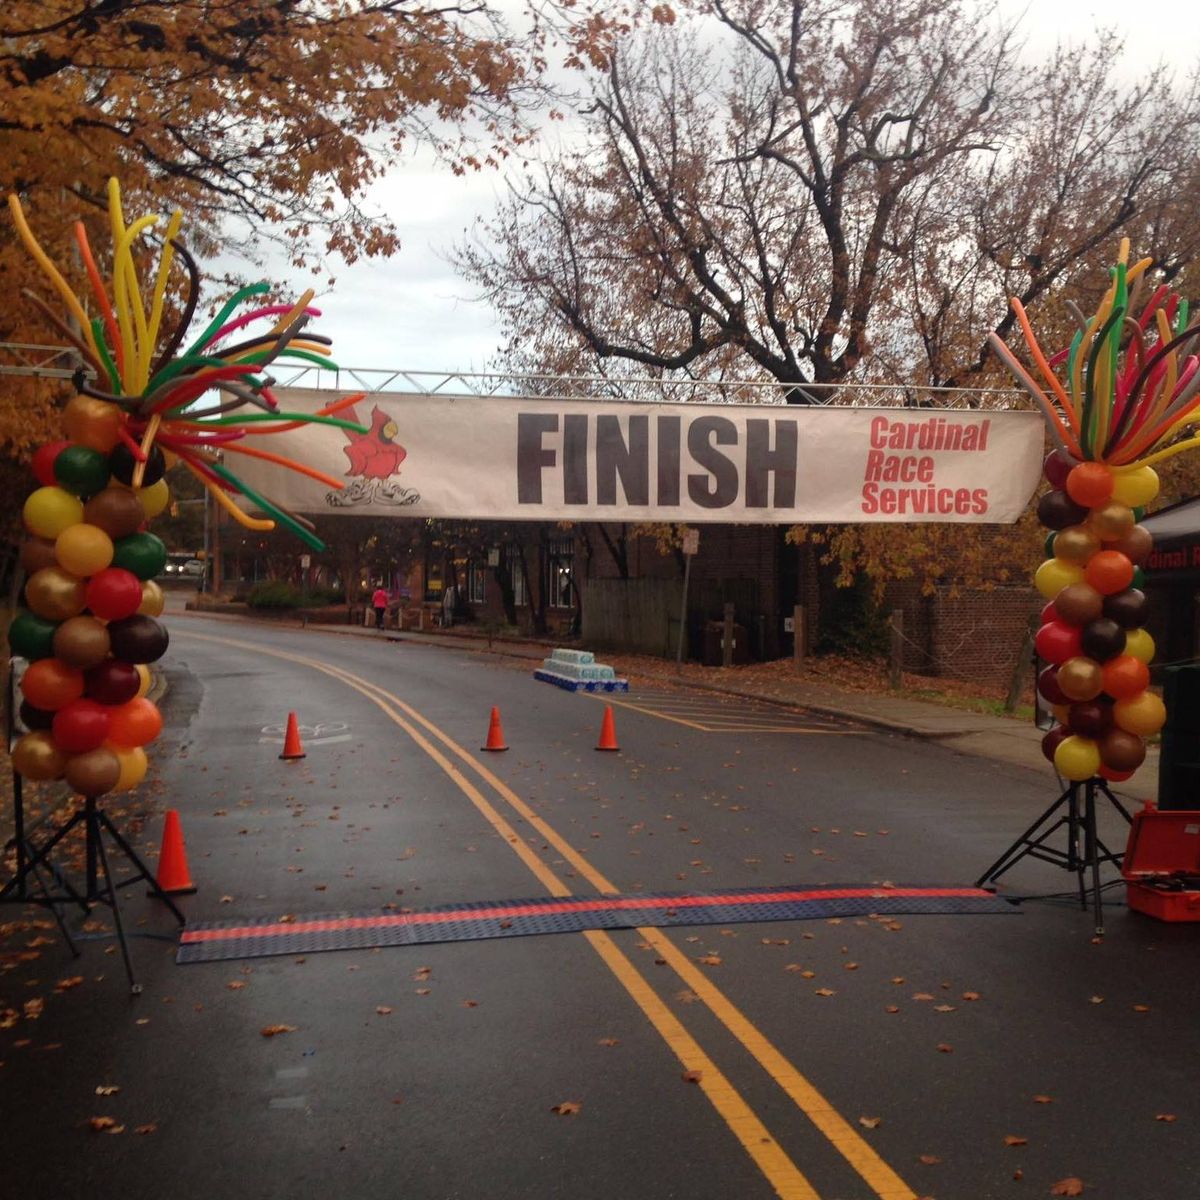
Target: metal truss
{"type": "Point", "coordinates": [59, 362]}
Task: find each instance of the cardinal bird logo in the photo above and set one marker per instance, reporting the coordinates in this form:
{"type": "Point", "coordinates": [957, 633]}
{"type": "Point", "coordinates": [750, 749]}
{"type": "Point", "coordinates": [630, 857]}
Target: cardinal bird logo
{"type": "Point", "coordinates": [374, 456]}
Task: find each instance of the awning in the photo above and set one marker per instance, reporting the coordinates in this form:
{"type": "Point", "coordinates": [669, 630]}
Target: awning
{"type": "Point", "coordinates": [1176, 533]}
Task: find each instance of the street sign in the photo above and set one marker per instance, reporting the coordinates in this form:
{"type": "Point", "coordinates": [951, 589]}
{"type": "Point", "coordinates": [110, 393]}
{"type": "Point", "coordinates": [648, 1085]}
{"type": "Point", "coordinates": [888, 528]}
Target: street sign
{"type": "Point", "coordinates": [691, 541]}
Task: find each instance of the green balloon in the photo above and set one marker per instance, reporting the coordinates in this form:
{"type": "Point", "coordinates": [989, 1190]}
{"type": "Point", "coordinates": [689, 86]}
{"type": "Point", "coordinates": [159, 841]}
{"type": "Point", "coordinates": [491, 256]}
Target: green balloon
{"type": "Point", "coordinates": [81, 470]}
{"type": "Point", "coordinates": [1050, 543]}
{"type": "Point", "coordinates": [31, 637]}
{"type": "Point", "coordinates": [1139, 578]}
{"type": "Point", "coordinates": [142, 554]}
{"type": "Point", "coordinates": [1139, 513]}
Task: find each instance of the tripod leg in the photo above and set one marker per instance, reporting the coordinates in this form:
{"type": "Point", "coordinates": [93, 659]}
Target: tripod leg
{"type": "Point", "coordinates": [94, 817]}
{"type": "Point", "coordinates": [1093, 858]}
{"type": "Point", "coordinates": [145, 874]}
{"type": "Point", "coordinates": [52, 905]}
{"type": "Point", "coordinates": [1021, 846]}
{"type": "Point", "coordinates": [41, 854]}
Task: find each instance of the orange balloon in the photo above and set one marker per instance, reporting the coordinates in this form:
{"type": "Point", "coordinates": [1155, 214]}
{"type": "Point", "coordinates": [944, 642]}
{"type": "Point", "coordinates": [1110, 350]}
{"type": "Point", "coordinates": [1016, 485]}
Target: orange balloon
{"type": "Point", "coordinates": [1125, 676]}
{"type": "Point", "coordinates": [50, 684]}
{"type": "Point", "coordinates": [92, 422]}
{"type": "Point", "coordinates": [1109, 572]}
{"type": "Point", "coordinates": [134, 723]}
{"type": "Point", "coordinates": [1090, 484]}
{"type": "Point", "coordinates": [1143, 714]}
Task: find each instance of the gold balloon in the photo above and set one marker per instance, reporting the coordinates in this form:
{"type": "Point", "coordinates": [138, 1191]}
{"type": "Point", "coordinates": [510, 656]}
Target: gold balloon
{"type": "Point", "coordinates": [37, 553]}
{"type": "Point", "coordinates": [84, 549]}
{"type": "Point", "coordinates": [35, 756]}
{"type": "Point", "coordinates": [55, 594]}
{"type": "Point", "coordinates": [82, 642]}
{"type": "Point", "coordinates": [93, 423]}
{"type": "Point", "coordinates": [1081, 678]}
{"type": "Point", "coordinates": [1135, 545]}
{"type": "Point", "coordinates": [93, 773]}
{"type": "Point", "coordinates": [1112, 521]}
{"type": "Point", "coordinates": [153, 599]}
{"type": "Point", "coordinates": [1075, 544]}
{"type": "Point", "coordinates": [116, 510]}
{"type": "Point", "coordinates": [146, 679]}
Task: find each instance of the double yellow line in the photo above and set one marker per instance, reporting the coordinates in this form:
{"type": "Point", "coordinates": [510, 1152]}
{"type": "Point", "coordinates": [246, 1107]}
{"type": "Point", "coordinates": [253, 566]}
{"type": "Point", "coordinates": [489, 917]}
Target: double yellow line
{"type": "Point", "coordinates": [784, 1176]}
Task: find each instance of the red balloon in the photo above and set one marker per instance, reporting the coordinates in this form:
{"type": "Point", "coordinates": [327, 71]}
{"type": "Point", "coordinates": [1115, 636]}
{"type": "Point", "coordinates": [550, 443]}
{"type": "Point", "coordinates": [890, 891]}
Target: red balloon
{"type": "Point", "coordinates": [1049, 613]}
{"type": "Point", "coordinates": [1108, 572]}
{"type": "Point", "coordinates": [1057, 467]}
{"type": "Point", "coordinates": [1054, 739]}
{"type": "Point", "coordinates": [1114, 776]}
{"type": "Point", "coordinates": [43, 462]}
{"type": "Point", "coordinates": [1047, 685]}
{"type": "Point", "coordinates": [81, 726]}
{"type": "Point", "coordinates": [135, 723]}
{"type": "Point", "coordinates": [114, 593]}
{"type": "Point", "coordinates": [1057, 641]}
{"type": "Point", "coordinates": [1125, 676]}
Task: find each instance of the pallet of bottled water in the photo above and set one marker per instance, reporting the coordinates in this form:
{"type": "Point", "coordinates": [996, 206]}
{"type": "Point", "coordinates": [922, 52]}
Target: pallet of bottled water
{"type": "Point", "coordinates": [578, 671]}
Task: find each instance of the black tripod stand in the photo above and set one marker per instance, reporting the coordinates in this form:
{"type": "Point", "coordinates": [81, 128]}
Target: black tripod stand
{"type": "Point", "coordinates": [99, 884]}
{"type": "Point", "coordinates": [1085, 852]}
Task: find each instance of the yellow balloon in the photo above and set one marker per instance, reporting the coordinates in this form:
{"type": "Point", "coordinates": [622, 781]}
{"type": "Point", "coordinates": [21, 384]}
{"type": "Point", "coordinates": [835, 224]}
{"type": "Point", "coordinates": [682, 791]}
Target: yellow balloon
{"type": "Point", "coordinates": [83, 549]}
{"type": "Point", "coordinates": [153, 599]}
{"type": "Point", "coordinates": [1077, 758]}
{"type": "Point", "coordinates": [154, 498]}
{"type": "Point", "coordinates": [50, 510]}
{"type": "Point", "coordinates": [134, 765]}
{"type": "Point", "coordinates": [1140, 644]}
{"type": "Point", "coordinates": [1135, 488]}
{"type": "Point", "coordinates": [1054, 575]}
{"type": "Point", "coordinates": [1143, 714]}
{"type": "Point", "coordinates": [146, 678]}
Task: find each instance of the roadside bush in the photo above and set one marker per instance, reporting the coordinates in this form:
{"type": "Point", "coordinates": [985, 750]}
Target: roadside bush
{"type": "Point", "coordinates": [274, 593]}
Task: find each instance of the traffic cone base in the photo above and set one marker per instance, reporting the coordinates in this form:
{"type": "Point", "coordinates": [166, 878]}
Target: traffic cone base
{"type": "Point", "coordinates": [608, 731]}
{"type": "Point", "coordinates": [174, 878]}
{"type": "Point", "coordinates": [291, 740]}
{"type": "Point", "coordinates": [495, 735]}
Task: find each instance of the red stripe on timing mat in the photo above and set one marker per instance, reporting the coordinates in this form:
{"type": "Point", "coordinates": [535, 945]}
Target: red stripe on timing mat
{"type": "Point", "coordinates": [599, 904]}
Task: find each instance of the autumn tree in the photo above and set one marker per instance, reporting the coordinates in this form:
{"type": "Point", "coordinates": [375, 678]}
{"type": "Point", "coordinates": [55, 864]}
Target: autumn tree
{"type": "Point", "coordinates": [262, 120]}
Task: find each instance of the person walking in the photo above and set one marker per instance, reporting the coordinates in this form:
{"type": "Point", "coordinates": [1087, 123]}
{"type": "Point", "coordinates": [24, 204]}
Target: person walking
{"type": "Point", "coordinates": [379, 602]}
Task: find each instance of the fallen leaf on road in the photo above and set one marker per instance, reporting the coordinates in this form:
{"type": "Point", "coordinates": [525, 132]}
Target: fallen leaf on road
{"type": "Point", "coordinates": [692, 1076]}
{"type": "Point", "coordinates": [1141, 1008]}
{"type": "Point", "coordinates": [64, 985]}
{"type": "Point", "coordinates": [943, 1008]}
{"type": "Point", "coordinates": [971, 996]}
{"type": "Point", "coordinates": [423, 991]}
{"type": "Point", "coordinates": [922, 996]}
{"type": "Point", "coordinates": [1070, 1186]}
{"type": "Point", "coordinates": [928, 1159]}
{"type": "Point", "coordinates": [826, 992]}
{"type": "Point", "coordinates": [470, 1004]}
{"type": "Point", "coordinates": [382, 1009]}
{"type": "Point", "coordinates": [898, 979]}
{"type": "Point", "coordinates": [1012, 1140]}
{"type": "Point", "coordinates": [851, 966]}
{"type": "Point", "coordinates": [273, 1030]}
{"type": "Point", "coordinates": [1091, 1000]}
{"type": "Point", "coordinates": [710, 960]}
{"type": "Point", "coordinates": [945, 1048]}
{"type": "Point", "coordinates": [151, 1127]}
{"type": "Point", "coordinates": [105, 1125]}
{"type": "Point", "coordinates": [235, 985]}
{"type": "Point", "coordinates": [892, 1008]}
{"type": "Point", "coordinates": [608, 1042]}
{"type": "Point", "coordinates": [870, 1122]}
{"type": "Point", "coordinates": [568, 1108]}
{"type": "Point", "coordinates": [226, 900]}
{"type": "Point", "coordinates": [1165, 1117]}
{"type": "Point", "coordinates": [1043, 1099]}
{"type": "Point", "coordinates": [687, 996]}
{"type": "Point", "coordinates": [107, 1089]}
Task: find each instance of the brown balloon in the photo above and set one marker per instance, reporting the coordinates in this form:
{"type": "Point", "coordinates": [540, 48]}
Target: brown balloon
{"type": "Point", "coordinates": [153, 599]}
{"type": "Point", "coordinates": [37, 553]}
{"type": "Point", "coordinates": [1127, 608]}
{"type": "Point", "coordinates": [1135, 545]}
{"type": "Point", "coordinates": [116, 510]}
{"type": "Point", "coordinates": [1075, 544]}
{"type": "Point", "coordinates": [35, 756]}
{"type": "Point", "coordinates": [55, 594]}
{"type": "Point", "coordinates": [1081, 678]}
{"type": "Point", "coordinates": [1112, 521]}
{"type": "Point", "coordinates": [1078, 603]}
{"type": "Point", "coordinates": [93, 773]}
{"type": "Point", "coordinates": [82, 642]}
{"type": "Point", "coordinates": [1121, 751]}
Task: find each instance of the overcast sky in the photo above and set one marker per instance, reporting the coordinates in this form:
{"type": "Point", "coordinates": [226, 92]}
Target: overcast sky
{"type": "Point", "coordinates": [413, 312]}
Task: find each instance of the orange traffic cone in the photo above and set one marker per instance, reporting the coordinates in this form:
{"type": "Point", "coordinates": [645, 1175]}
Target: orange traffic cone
{"type": "Point", "coordinates": [173, 875]}
{"type": "Point", "coordinates": [291, 739]}
{"type": "Point", "coordinates": [608, 731]}
{"type": "Point", "coordinates": [495, 735]}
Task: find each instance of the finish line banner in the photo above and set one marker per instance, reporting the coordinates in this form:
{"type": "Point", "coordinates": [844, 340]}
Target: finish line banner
{"type": "Point", "coordinates": [501, 458]}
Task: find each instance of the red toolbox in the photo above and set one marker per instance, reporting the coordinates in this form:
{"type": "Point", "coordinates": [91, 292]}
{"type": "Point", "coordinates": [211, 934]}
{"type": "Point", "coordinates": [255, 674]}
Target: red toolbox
{"type": "Point", "coordinates": [1162, 864]}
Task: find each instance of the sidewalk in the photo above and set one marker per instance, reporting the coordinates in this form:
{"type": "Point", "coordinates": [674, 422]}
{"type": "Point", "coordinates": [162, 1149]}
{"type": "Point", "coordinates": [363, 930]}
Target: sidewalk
{"type": "Point", "coordinates": [1003, 739]}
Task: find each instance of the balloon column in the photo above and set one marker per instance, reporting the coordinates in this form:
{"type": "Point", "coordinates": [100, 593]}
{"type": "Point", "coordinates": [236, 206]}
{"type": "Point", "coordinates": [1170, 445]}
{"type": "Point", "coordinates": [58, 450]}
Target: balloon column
{"type": "Point", "coordinates": [1130, 391]}
{"type": "Point", "coordinates": [89, 625]}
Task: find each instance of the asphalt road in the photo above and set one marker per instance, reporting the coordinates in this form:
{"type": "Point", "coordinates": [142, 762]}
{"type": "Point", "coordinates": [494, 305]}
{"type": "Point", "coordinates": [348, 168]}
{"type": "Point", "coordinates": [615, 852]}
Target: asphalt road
{"type": "Point", "coordinates": [957, 1057]}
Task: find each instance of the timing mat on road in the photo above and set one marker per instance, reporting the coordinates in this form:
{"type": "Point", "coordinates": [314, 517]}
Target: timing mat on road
{"type": "Point", "coordinates": [263, 937]}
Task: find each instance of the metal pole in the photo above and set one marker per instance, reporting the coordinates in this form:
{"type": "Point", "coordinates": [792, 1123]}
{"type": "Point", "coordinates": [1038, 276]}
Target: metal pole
{"type": "Point", "coordinates": [896, 654]}
{"type": "Point", "coordinates": [687, 574]}
{"type": "Point", "coordinates": [727, 637]}
{"type": "Point", "coordinates": [208, 563]}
